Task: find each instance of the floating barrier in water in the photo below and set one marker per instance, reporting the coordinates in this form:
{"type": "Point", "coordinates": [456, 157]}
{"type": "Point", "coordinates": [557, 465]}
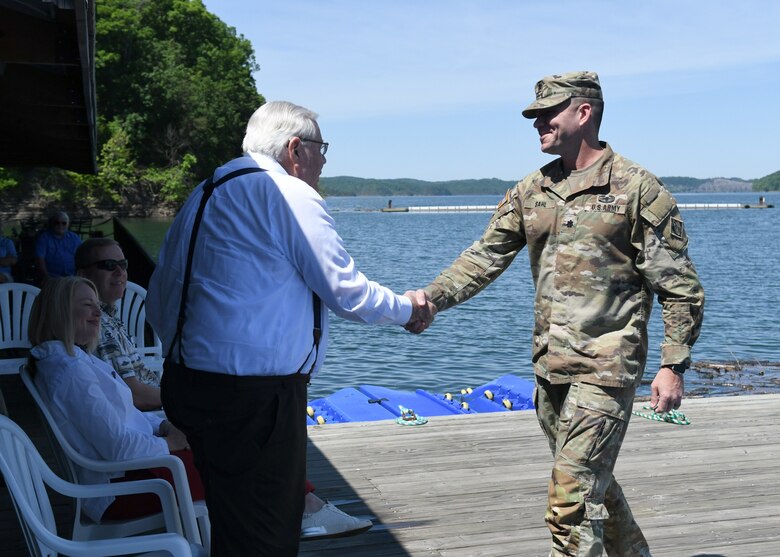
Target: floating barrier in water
{"type": "Point", "coordinates": [443, 209]}
{"type": "Point", "coordinates": [723, 206]}
{"type": "Point", "coordinates": [491, 208]}
{"type": "Point", "coordinates": [371, 402]}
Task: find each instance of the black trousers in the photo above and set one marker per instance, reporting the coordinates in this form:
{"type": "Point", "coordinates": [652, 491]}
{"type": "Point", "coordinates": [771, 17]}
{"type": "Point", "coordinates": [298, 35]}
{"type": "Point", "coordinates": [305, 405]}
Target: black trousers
{"type": "Point", "coordinates": [248, 437]}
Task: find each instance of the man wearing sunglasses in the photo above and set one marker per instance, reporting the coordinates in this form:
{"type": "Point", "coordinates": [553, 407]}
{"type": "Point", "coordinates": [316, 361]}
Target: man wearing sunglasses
{"type": "Point", "coordinates": [55, 248]}
{"type": "Point", "coordinates": [102, 261]}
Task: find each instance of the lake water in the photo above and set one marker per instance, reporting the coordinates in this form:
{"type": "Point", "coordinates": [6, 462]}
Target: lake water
{"type": "Point", "coordinates": [735, 252]}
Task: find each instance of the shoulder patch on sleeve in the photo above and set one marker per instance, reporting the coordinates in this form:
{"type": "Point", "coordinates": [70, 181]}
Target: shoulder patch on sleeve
{"type": "Point", "coordinates": [658, 208]}
{"type": "Point", "coordinates": [678, 229]}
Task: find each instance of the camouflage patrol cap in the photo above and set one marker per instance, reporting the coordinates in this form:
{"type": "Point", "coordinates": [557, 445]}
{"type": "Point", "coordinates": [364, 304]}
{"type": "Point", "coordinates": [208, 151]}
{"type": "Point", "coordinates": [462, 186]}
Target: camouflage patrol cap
{"type": "Point", "coordinates": [556, 89]}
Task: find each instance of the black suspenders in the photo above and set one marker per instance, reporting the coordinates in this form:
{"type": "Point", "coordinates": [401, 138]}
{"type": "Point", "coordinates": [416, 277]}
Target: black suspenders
{"type": "Point", "coordinates": [208, 189]}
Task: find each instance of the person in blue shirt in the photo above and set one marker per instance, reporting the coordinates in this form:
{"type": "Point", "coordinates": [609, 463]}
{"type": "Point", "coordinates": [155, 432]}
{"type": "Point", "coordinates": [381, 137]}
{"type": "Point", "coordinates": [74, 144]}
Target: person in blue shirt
{"type": "Point", "coordinates": [55, 248]}
{"type": "Point", "coordinates": [8, 257]}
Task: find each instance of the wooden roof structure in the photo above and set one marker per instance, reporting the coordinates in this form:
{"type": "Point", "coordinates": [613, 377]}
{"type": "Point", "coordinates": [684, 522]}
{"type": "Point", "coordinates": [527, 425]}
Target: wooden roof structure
{"type": "Point", "coordinates": [47, 84]}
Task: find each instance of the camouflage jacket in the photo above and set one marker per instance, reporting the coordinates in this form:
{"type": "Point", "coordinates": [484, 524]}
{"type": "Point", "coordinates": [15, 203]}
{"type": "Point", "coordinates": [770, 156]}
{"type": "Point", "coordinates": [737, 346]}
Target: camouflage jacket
{"type": "Point", "coordinates": [601, 242]}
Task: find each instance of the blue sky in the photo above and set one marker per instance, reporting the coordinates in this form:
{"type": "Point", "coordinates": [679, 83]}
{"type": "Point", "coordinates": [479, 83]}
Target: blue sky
{"type": "Point", "coordinates": [433, 89]}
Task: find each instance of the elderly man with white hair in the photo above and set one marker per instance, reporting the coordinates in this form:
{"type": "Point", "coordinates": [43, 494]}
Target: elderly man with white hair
{"type": "Point", "coordinates": [239, 298]}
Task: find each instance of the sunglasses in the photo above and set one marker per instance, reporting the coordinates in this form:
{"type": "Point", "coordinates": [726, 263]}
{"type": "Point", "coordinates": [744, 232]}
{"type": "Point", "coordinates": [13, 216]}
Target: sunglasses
{"type": "Point", "coordinates": [109, 264]}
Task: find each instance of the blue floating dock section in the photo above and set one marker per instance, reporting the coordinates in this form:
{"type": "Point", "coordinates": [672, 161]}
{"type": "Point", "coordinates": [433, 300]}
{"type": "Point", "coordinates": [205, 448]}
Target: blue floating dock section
{"type": "Point", "coordinates": [371, 402]}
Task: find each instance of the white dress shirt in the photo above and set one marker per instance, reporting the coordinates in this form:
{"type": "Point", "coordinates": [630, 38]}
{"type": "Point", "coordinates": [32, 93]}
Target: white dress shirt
{"type": "Point", "coordinates": [265, 243]}
{"type": "Point", "coordinates": [93, 407]}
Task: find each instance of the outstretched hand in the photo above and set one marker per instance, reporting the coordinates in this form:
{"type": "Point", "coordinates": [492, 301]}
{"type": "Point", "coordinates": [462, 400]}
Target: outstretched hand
{"type": "Point", "coordinates": [423, 311]}
{"type": "Point", "coordinates": [666, 391]}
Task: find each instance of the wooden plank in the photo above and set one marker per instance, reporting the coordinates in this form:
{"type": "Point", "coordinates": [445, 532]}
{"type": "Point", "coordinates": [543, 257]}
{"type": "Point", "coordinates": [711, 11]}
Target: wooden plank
{"type": "Point", "coordinates": [475, 485]}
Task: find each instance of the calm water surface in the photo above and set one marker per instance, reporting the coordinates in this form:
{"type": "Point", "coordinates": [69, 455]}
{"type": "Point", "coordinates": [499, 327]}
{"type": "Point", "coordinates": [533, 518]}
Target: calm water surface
{"type": "Point", "coordinates": [735, 252]}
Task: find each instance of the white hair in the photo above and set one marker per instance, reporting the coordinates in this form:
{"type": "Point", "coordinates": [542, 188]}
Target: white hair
{"type": "Point", "coordinates": [272, 125]}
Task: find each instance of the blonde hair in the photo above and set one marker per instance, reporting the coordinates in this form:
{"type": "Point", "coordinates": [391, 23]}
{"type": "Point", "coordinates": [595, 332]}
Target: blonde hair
{"type": "Point", "coordinates": [51, 316]}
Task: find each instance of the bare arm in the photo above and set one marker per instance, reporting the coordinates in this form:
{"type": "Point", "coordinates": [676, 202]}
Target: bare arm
{"type": "Point", "coordinates": [145, 397]}
{"type": "Point", "coordinates": [8, 261]}
{"type": "Point", "coordinates": [40, 267]}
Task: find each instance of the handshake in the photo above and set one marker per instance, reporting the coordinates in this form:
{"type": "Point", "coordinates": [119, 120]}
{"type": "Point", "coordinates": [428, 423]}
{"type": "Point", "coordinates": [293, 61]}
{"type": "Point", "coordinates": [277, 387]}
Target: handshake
{"type": "Point", "coordinates": [423, 311]}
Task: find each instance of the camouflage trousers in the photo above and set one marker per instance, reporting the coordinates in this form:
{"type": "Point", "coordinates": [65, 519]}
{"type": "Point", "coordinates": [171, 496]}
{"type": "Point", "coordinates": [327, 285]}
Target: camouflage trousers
{"type": "Point", "coordinates": [587, 513]}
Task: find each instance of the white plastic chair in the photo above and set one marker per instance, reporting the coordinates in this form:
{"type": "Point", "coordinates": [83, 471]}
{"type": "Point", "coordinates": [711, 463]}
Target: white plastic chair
{"type": "Point", "coordinates": [27, 475]}
{"type": "Point", "coordinates": [16, 301]}
{"type": "Point", "coordinates": [194, 515]}
{"type": "Point", "coordinates": [132, 311]}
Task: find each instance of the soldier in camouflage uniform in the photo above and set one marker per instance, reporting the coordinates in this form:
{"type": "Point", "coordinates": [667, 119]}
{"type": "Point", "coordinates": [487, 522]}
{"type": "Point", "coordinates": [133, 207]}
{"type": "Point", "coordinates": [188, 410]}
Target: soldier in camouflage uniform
{"type": "Point", "coordinates": [603, 237]}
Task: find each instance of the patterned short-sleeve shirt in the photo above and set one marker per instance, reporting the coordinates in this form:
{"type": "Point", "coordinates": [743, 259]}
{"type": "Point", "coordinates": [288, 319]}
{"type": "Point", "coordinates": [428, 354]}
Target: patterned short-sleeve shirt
{"type": "Point", "coordinates": [116, 347]}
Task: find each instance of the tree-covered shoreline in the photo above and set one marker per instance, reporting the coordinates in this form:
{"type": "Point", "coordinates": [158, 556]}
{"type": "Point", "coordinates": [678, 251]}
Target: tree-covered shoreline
{"type": "Point", "coordinates": [174, 92]}
{"type": "Point", "coordinates": [175, 89]}
{"type": "Point", "coordinates": [352, 186]}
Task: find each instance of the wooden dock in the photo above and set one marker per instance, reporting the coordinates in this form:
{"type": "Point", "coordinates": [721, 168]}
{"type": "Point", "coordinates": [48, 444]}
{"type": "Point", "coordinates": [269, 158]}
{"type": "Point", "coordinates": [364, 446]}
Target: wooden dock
{"type": "Point", "coordinates": [475, 485]}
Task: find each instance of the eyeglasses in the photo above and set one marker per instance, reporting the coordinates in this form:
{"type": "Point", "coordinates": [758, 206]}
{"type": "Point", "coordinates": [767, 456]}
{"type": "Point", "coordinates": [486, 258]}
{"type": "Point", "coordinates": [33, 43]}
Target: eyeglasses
{"type": "Point", "coordinates": [109, 264]}
{"type": "Point", "coordinates": [323, 144]}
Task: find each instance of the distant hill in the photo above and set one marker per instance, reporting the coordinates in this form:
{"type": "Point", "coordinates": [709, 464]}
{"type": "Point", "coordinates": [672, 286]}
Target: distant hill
{"type": "Point", "coordinates": [351, 186]}
{"type": "Point", "coordinates": [725, 184]}
{"type": "Point", "coordinates": [698, 185]}
{"type": "Point", "coordinates": [682, 183]}
{"type": "Point", "coordinates": [768, 183]}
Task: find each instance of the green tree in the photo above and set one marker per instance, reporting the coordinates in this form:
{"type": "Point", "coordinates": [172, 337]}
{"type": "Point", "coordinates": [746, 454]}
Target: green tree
{"type": "Point", "coordinates": [768, 183]}
{"type": "Point", "coordinates": [116, 171]}
{"type": "Point", "coordinates": [178, 83]}
{"type": "Point", "coordinates": [8, 179]}
{"type": "Point", "coordinates": [174, 92]}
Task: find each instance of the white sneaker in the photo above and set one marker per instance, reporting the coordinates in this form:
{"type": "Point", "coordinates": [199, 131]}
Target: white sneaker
{"type": "Point", "coordinates": [331, 522]}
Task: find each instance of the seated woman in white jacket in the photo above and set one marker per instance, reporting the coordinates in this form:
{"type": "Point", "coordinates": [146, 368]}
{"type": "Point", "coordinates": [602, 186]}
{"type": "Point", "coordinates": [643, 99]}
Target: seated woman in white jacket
{"type": "Point", "coordinates": [93, 405]}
